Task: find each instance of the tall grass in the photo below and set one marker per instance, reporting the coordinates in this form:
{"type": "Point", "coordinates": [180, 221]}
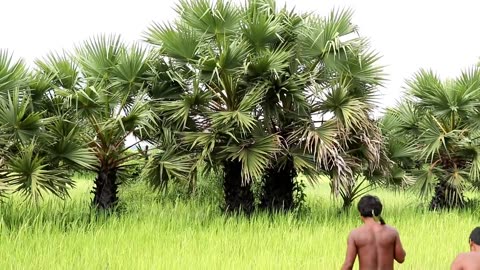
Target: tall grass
{"type": "Point", "coordinates": [170, 233]}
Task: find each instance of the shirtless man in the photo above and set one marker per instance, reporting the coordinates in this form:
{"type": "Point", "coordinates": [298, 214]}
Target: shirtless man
{"type": "Point", "coordinates": [469, 260]}
{"type": "Point", "coordinates": [376, 244]}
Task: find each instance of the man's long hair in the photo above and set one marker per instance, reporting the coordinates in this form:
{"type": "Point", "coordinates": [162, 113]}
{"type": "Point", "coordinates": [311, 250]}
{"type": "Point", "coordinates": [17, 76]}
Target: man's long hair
{"type": "Point", "coordinates": [370, 206]}
{"type": "Point", "coordinates": [475, 236]}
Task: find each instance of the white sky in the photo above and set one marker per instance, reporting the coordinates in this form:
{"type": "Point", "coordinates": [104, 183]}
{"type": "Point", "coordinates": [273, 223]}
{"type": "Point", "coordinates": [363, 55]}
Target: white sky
{"type": "Point", "coordinates": [442, 35]}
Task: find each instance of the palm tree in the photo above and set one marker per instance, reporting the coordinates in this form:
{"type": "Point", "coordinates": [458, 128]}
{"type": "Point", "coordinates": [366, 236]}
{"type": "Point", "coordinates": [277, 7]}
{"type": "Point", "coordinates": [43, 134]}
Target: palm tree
{"type": "Point", "coordinates": [103, 87]}
{"type": "Point", "coordinates": [332, 76]}
{"type": "Point", "coordinates": [256, 81]}
{"type": "Point", "coordinates": [438, 123]}
{"type": "Point", "coordinates": [218, 111]}
{"type": "Point", "coordinates": [38, 150]}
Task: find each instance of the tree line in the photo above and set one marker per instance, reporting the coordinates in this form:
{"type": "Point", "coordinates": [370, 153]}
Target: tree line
{"type": "Point", "coordinates": [255, 93]}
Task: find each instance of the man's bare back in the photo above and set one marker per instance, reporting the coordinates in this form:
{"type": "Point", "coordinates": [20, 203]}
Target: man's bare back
{"type": "Point", "coordinates": [376, 245]}
{"type": "Point", "coordinates": [467, 261]}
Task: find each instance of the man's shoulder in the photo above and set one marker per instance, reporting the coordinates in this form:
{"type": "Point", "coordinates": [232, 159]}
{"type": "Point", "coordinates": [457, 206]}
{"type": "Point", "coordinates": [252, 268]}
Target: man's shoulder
{"type": "Point", "coordinates": [469, 255]}
{"type": "Point", "coordinates": [391, 229]}
{"type": "Point", "coordinates": [466, 256]}
{"type": "Point", "coordinates": [461, 258]}
{"type": "Point", "coordinates": [354, 232]}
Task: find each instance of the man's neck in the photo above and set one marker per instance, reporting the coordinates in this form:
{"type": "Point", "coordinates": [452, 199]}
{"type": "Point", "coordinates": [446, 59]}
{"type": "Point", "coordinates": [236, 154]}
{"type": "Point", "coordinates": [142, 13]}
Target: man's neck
{"type": "Point", "coordinates": [369, 221]}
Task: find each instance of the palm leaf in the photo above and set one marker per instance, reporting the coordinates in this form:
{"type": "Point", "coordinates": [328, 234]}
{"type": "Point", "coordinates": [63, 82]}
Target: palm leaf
{"type": "Point", "coordinates": [261, 27]}
{"type": "Point", "coordinates": [60, 69]}
{"type": "Point", "coordinates": [433, 138]}
{"type": "Point", "coordinates": [180, 43]}
{"type": "Point", "coordinates": [12, 73]}
{"type": "Point", "coordinates": [222, 18]}
{"type": "Point", "coordinates": [131, 71]}
{"type": "Point", "coordinates": [28, 174]}
{"type": "Point", "coordinates": [349, 111]}
{"type": "Point", "coordinates": [254, 154]}
{"type": "Point", "coordinates": [270, 61]}
{"type": "Point", "coordinates": [65, 145]}
{"type": "Point", "coordinates": [321, 37]}
{"type": "Point", "coordinates": [167, 165]}
{"type": "Point", "coordinates": [17, 120]}
{"type": "Point", "coordinates": [321, 142]}
{"type": "Point", "coordinates": [99, 55]}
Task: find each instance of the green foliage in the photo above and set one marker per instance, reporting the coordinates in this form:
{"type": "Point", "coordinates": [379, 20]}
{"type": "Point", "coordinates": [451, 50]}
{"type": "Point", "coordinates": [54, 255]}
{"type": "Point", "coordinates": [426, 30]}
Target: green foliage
{"type": "Point", "coordinates": [131, 170]}
{"type": "Point", "coordinates": [255, 82]}
{"type": "Point", "coordinates": [12, 73]}
{"type": "Point", "coordinates": [300, 196]}
{"type": "Point", "coordinates": [433, 136]}
{"type": "Point", "coordinates": [38, 148]}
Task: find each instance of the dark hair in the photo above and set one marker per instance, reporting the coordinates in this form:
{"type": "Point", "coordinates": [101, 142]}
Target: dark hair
{"type": "Point", "coordinates": [475, 236]}
{"type": "Point", "coordinates": [370, 206]}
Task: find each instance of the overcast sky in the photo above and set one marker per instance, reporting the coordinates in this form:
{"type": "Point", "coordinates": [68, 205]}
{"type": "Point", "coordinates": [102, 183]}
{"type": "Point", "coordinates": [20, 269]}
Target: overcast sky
{"type": "Point", "coordinates": [441, 35]}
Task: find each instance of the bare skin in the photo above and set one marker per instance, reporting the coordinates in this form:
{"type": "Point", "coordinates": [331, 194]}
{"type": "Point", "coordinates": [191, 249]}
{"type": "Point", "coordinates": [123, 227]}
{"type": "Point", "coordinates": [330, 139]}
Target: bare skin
{"type": "Point", "coordinates": [469, 260]}
{"type": "Point", "coordinates": [376, 245]}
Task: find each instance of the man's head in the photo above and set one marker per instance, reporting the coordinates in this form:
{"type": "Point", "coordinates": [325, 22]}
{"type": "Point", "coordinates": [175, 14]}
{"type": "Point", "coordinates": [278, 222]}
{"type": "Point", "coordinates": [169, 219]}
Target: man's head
{"type": "Point", "coordinates": [475, 239]}
{"type": "Point", "coordinates": [370, 207]}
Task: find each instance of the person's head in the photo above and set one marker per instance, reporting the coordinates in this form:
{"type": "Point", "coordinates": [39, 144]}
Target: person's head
{"type": "Point", "coordinates": [370, 207]}
{"type": "Point", "coordinates": [474, 239]}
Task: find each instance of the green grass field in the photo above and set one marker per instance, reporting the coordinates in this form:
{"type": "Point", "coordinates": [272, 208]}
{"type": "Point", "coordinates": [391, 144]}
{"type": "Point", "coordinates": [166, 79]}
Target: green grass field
{"type": "Point", "coordinates": [154, 233]}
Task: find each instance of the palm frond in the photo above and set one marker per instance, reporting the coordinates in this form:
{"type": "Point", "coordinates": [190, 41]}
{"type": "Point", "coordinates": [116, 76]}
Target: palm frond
{"type": "Point", "coordinates": [358, 66]}
{"type": "Point", "coordinates": [321, 142]}
{"type": "Point", "coordinates": [12, 73]}
{"type": "Point", "coordinates": [165, 79]}
{"type": "Point", "coordinates": [85, 102]}
{"type": "Point", "coordinates": [65, 145]}
{"type": "Point", "coordinates": [179, 111]}
{"type": "Point", "coordinates": [28, 174]}
{"type": "Point", "coordinates": [254, 154]}
{"type": "Point", "coordinates": [139, 117]}
{"type": "Point", "coordinates": [306, 164]}
{"type": "Point", "coordinates": [401, 149]}
{"type": "Point", "coordinates": [99, 55]}
{"type": "Point", "coordinates": [167, 165]}
{"type": "Point", "coordinates": [323, 36]}
{"type": "Point", "coordinates": [180, 43]}
{"type": "Point", "coordinates": [474, 173]}
{"type": "Point", "coordinates": [130, 73]}
{"type": "Point", "coordinates": [16, 118]}
{"type": "Point", "coordinates": [221, 18]}
{"type": "Point", "coordinates": [61, 69]}
{"type": "Point", "coordinates": [349, 111]}
{"type": "Point", "coordinates": [433, 138]}
{"type": "Point", "coordinates": [271, 61]}
{"type": "Point", "coordinates": [261, 27]}
{"type": "Point", "coordinates": [209, 144]}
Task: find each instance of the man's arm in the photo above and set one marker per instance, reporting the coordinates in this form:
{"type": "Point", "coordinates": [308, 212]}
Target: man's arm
{"type": "Point", "coordinates": [457, 263]}
{"type": "Point", "coordinates": [351, 253]}
{"type": "Point", "coordinates": [399, 251]}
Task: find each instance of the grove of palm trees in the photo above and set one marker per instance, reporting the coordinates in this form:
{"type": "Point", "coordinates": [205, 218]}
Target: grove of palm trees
{"type": "Point", "coordinates": [237, 136]}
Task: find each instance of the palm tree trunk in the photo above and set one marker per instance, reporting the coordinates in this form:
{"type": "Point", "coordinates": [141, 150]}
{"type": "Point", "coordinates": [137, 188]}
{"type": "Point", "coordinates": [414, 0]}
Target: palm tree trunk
{"type": "Point", "coordinates": [446, 197]}
{"type": "Point", "coordinates": [347, 197]}
{"type": "Point", "coordinates": [238, 195]}
{"type": "Point", "coordinates": [278, 187]}
{"type": "Point", "coordinates": [106, 189]}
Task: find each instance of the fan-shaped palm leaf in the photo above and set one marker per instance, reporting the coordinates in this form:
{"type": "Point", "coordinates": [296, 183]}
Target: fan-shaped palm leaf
{"type": "Point", "coordinates": [254, 154]}
{"type": "Point", "coordinates": [99, 55]}
{"type": "Point", "coordinates": [12, 73]}
{"type": "Point", "coordinates": [17, 121]}
{"type": "Point", "coordinates": [221, 18]}
{"type": "Point", "coordinates": [28, 174]}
